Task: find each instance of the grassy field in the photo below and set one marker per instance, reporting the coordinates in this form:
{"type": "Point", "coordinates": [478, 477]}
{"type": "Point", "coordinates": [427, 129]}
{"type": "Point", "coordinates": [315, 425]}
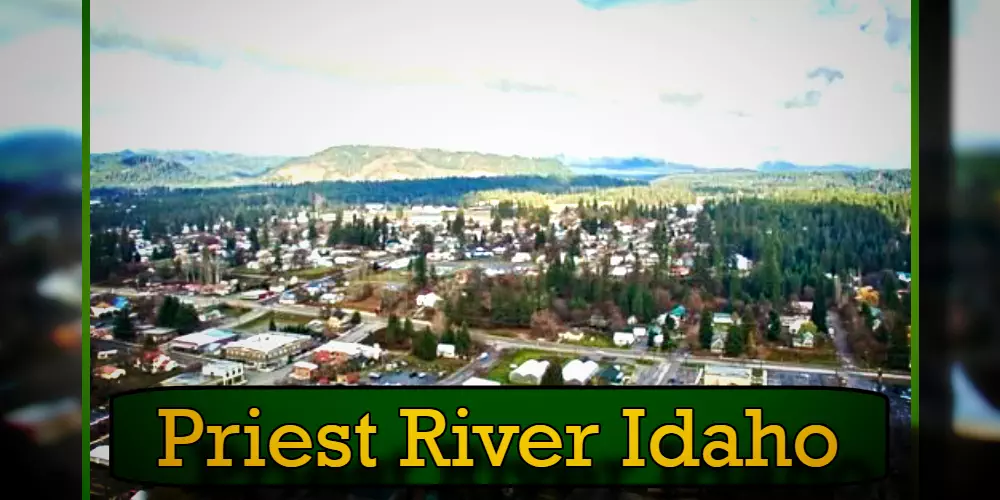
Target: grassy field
{"type": "Point", "coordinates": [823, 357]}
{"type": "Point", "coordinates": [280, 320]}
{"type": "Point", "coordinates": [313, 273]}
{"type": "Point", "coordinates": [390, 276]}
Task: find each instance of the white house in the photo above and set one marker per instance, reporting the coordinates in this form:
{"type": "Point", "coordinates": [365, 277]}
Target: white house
{"type": "Point", "coordinates": [352, 349]}
{"type": "Point", "coordinates": [530, 372]}
{"type": "Point", "coordinates": [109, 372]}
{"type": "Point", "coordinates": [658, 340]}
{"type": "Point", "coordinates": [446, 350]}
{"type": "Point", "coordinates": [428, 300]}
{"type": "Point", "coordinates": [623, 339]}
{"type": "Point", "coordinates": [520, 257]}
{"type": "Point", "coordinates": [742, 263]}
{"type": "Point", "coordinates": [571, 336]}
{"type": "Point", "coordinates": [640, 332]}
{"type": "Point", "coordinates": [579, 372]}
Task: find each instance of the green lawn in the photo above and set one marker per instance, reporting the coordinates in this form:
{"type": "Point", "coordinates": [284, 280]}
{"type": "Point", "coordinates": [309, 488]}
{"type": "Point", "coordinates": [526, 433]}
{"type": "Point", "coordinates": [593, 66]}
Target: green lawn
{"type": "Point", "coordinates": [280, 320]}
{"type": "Point", "coordinates": [312, 273]}
{"type": "Point", "coordinates": [391, 276]}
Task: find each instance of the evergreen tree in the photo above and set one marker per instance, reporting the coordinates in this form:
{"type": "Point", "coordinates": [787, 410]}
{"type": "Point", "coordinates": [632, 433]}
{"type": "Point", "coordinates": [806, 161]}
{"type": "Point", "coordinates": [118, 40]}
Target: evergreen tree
{"type": "Point", "coordinates": [773, 326]}
{"type": "Point", "coordinates": [356, 318]}
{"type": "Point", "coordinates": [706, 330]}
{"type": "Point", "coordinates": [312, 234]}
{"type": "Point", "coordinates": [420, 271]}
{"type": "Point", "coordinates": [425, 347]}
{"type": "Point", "coordinates": [539, 240]}
{"type": "Point", "coordinates": [408, 331]}
{"type": "Point", "coordinates": [448, 337]}
{"type": "Point", "coordinates": [736, 341]}
{"type": "Point", "coordinates": [463, 340]}
{"type": "Point", "coordinates": [818, 313]}
{"type": "Point", "coordinates": [166, 315]}
{"type": "Point", "coordinates": [271, 325]}
{"type": "Point", "coordinates": [122, 327]}
{"type": "Point", "coordinates": [186, 320]}
{"type": "Point", "coordinates": [553, 374]}
{"type": "Point", "coordinates": [392, 330]}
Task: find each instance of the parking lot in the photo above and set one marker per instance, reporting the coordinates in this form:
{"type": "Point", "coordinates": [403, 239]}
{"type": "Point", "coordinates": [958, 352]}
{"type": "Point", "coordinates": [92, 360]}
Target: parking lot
{"type": "Point", "coordinates": [794, 378]}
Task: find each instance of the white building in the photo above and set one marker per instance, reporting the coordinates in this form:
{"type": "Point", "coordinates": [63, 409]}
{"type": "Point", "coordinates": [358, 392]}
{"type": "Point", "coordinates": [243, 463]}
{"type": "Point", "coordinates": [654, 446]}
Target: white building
{"type": "Point", "coordinates": [267, 351]}
{"type": "Point", "coordinates": [446, 350]}
{"type": "Point", "coordinates": [530, 372]}
{"type": "Point", "coordinates": [476, 381]}
{"type": "Point", "coordinates": [623, 339]}
{"type": "Point", "coordinates": [351, 349]}
{"type": "Point", "coordinates": [579, 372]}
{"type": "Point", "coordinates": [520, 257]}
{"type": "Point", "coordinates": [428, 300]}
{"type": "Point", "coordinates": [571, 336]}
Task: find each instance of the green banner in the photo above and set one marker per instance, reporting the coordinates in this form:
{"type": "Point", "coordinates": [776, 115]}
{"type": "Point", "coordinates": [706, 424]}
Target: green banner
{"type": "Point", "coordinates": [512, 436]}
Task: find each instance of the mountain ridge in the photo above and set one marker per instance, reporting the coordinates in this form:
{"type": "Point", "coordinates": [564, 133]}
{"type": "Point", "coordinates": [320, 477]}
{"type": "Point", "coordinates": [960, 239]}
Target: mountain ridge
{"type": "Point", "coordinates": [181, 168]}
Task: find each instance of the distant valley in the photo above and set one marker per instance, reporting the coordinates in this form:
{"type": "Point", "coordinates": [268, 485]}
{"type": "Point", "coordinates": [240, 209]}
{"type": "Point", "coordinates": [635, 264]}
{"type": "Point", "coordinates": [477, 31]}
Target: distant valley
{"type": "Point", "coordinates": [144, 168]}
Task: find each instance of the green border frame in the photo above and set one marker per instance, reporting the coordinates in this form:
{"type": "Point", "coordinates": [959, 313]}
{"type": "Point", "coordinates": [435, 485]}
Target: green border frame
{"type": "Point", "coordinates": [914, 230]}
{"type": "Point", "coordinates": [915, 213]}
{"type": "Point", "coordinates": [85, 217]}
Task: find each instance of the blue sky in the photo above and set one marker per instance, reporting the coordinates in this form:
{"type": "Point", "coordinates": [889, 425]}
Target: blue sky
{"type": "Point", "coordinates": [709, 82]}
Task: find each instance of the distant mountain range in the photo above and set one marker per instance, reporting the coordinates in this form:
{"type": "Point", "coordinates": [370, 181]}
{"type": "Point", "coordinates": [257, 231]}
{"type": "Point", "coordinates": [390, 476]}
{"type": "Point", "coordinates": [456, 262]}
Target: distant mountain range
{"type": "Point", "coordinates": [40, 161]}
{"type": "Point", "coordinates": [641, 167]}
{"type": "Point", "coordinates": [146, 168]}
{"type": "Point", "coordinates": [341, 163]}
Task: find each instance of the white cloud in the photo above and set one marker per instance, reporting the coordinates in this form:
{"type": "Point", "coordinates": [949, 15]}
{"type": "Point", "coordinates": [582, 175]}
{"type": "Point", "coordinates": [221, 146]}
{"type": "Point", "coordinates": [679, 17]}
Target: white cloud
{"type": "Point", "coordinates": [298, 76]}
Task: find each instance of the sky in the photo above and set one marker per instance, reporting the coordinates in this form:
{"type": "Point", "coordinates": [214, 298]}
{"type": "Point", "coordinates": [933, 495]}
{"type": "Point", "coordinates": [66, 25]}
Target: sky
{"type": "Point", "coordinates": [706, 82]}
{"type": "Point", "coordinates": [41, 53]}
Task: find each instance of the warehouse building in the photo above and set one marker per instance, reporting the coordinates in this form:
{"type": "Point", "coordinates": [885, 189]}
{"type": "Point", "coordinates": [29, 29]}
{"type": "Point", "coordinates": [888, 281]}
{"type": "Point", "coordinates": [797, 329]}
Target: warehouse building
{"type": "Point", "coordinates": [267, 351]}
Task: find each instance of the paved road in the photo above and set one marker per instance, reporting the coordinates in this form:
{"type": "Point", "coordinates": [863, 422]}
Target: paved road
{"type": "Point", "coordinates": [506, 342]}
{"type": "Point", "coordinates": [468, 371]}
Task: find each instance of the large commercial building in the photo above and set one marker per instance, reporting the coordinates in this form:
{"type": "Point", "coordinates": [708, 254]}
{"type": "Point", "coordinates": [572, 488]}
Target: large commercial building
{"type": "Point", "coordinates": [267, 351]}
{"type": "Point", "coordinates": [203, 341]}
{"type": "Point", "coordinates": [727, 375]}
{"type": "Point", "coordinates": [214, 373]}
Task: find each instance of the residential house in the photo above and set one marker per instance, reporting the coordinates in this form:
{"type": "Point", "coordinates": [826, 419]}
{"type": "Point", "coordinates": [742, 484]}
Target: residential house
{"type": "Point", "coordinates": [110, 372]}
{"type": "Point", "coordinates": [612, 375]}
{"type": "Point", "coordinates": [157, 335]}
{"type": "Point", "coordinates": [623, 339]}
{"type": "Point", "coordinates": [428, 300]}
{"type": "Point", "coordinates": [571, 336]}
{"type": "Point", "coordinates": [303, 370]}
{"type": "Point", "coordinates": [446, 350]}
